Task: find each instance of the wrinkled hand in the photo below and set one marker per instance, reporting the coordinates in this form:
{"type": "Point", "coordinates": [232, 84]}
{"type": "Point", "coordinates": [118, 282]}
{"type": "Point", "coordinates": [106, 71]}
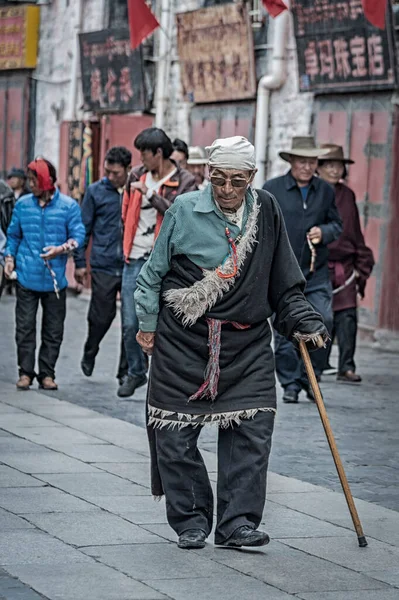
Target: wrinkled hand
{"type": "Point", "coordinates": [50, 252]}
{"type": "Point", "coordinates": [9, 267]}
{"type": "Point", "coordinates": [140, 186]}
{"type": "Point", "coordinates": [315, 234]}
{"type": "Point", "coordinates": [80, 275]}
{"type": "Point", "coordinates": [146, 341]}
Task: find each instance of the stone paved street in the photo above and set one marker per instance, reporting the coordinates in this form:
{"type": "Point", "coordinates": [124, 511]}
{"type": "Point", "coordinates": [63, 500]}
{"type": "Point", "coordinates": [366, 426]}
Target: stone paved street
{"type": "Point", "coordinates": [364, 418]}
{"type": "Point", "coordinates": [77, 522]}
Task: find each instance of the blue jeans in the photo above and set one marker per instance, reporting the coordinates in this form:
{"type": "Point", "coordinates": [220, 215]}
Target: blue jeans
{"type": "Point", "coordinates": [130, 325]}
{"type": "Point", "coordinates": [289, 366]}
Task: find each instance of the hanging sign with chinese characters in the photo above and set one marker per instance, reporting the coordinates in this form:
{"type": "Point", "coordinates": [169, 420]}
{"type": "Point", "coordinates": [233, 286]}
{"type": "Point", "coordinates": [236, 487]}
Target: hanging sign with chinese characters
{"type": "Point", "coordinates": [112, 73]}
{"type": "Point", "coordinates": [338, 50]}
{"type": "Point", "coordinates": [19, 35]}
{"type": "Point", "coordinates": [216, 52]}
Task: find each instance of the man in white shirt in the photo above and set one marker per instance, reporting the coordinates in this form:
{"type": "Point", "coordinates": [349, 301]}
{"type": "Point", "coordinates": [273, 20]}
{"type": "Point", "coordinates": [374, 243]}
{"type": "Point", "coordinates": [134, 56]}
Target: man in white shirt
{"type": "Point", "coordinates": [151, 190]}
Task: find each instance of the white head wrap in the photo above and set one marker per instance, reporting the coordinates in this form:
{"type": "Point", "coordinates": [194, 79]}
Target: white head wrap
{"type": "Point", "coordinates": [232, 153]}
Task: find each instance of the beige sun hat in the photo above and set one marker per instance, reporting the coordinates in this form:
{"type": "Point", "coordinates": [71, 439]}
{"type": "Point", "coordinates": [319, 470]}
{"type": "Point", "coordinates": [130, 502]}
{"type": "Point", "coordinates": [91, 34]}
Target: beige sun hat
{"type": "Point", "coordinates": [196, 156]}
{"type": "Point", "coordinates": [304, 146]}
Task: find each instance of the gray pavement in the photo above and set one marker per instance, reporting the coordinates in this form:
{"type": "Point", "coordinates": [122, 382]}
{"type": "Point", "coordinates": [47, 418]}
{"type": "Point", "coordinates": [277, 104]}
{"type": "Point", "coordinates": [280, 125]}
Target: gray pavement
{"type": "Point", "coordinates": [77, 522]}
{"type": "Point", "coordinates": [364, 418]}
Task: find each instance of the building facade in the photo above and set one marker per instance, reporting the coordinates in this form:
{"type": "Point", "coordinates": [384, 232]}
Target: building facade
{"type": "Point", "coordinates": [77, 100]}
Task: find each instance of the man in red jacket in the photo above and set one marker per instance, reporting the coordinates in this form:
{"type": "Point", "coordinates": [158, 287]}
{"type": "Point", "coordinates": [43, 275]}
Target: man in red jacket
{"type": "Point", "coordinates": [150, 191]}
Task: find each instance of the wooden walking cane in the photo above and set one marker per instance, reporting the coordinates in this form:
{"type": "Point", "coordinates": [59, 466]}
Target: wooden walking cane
{"type": "Point", "coordinates": [331, 441]}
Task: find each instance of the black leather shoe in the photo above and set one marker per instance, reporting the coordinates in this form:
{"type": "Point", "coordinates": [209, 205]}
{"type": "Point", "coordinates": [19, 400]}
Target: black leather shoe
{"type": "Point", "coordinates": [87, 365]}
{"type": "Point", "coordinates": [192, 538]}
{"type": "Point", "coordinates": [290, 397]}
{"type": "Point", "coordinates": [245, 536]}
{"type": "Point", "coordinates": [129, 385]}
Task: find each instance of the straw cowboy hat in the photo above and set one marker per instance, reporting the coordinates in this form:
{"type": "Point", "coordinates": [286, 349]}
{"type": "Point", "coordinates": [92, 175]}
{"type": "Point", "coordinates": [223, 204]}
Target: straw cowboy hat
{"type": "Point", "coordinates": [196, 156]}
{"type": "Point", "coordinates": [335, 152]}
{"type": "Point", "coordinates": [304, 146]}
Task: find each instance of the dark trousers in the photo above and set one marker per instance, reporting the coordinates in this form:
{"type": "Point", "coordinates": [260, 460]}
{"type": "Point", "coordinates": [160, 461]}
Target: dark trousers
{"type": "Point", "coordinates": [54, 311]}
{"type": "Point", "coordinates": [243, 456]}
{"type": "Point", "coordinates": [102, 311]}
{"type": "Point", "coordinates": [345, 330]}
{"type": "Point", "coordinates": [137, 363]}
{"type": "Point", "coordinates": [289, 366]}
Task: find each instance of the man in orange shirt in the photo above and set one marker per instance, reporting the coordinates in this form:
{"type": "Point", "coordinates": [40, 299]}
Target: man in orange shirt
{"type": "Point", "coordinates": [151, 190]}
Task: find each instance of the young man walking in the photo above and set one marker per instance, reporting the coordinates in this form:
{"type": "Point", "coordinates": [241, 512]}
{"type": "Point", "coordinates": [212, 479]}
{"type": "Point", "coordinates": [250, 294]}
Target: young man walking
{"type": "Point", "coordinates": [102, 218]}
{"type": "Point", "coordinates": [45, 226]}
{"type": "Point", "coordinates": [151, 190]}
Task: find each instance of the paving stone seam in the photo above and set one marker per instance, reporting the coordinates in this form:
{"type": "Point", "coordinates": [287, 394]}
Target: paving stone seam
{"type": "Point", "coordinates": [95, 559]}
{"type": "Point", "coordinates": [365, 573]}
{"type": "Point", "coordinates": [4, 568]}
{"type": "Point", "coordinates": [369, 537]}
{"type": "Point", "coordinates": [252, 576]}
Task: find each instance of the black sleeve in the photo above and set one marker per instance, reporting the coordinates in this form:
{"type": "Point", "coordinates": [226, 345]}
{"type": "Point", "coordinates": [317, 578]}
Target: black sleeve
{"type": "Point", "coordinates": [293, 313]}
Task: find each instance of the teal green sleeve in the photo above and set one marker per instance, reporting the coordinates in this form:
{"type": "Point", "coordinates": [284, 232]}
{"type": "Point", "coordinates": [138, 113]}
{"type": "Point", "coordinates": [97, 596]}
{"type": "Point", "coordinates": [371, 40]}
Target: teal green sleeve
{"type": "Point", "coordinates": [149, 281]}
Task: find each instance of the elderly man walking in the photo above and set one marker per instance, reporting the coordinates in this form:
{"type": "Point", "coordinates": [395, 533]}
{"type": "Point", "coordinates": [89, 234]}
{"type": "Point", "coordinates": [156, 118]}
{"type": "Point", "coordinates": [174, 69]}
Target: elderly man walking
{"type": "Point", "coordinates": [313, 222]}
{"type": "Point", "coordinates": [221, 266]}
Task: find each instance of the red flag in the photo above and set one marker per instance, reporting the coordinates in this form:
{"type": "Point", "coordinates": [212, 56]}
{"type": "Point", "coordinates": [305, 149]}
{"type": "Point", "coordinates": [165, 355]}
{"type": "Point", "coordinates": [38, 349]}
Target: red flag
{"type": "Point", "coordinates": [142, 22]}
{"type": "Point", "coordinates": [374, 11]}
{"type": "Point", "coordinates": [274, 7]}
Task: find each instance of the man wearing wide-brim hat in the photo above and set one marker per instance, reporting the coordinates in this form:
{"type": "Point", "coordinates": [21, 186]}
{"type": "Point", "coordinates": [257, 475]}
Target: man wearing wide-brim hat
{"type": "Point", "coordinates": [313, 222]}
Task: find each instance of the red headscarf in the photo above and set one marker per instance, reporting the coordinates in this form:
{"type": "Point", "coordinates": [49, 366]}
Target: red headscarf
{"type": "Point", "coordinates": [40, 167]}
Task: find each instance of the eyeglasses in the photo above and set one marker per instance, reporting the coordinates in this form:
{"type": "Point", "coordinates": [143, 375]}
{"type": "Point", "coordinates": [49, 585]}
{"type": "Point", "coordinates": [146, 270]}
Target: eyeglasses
{"type": "Point", "coordinates": [236, 182]}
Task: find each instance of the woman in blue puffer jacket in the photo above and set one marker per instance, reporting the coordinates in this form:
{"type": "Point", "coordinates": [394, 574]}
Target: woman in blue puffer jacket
{"type": "Point", "coordinates": [45, 226]}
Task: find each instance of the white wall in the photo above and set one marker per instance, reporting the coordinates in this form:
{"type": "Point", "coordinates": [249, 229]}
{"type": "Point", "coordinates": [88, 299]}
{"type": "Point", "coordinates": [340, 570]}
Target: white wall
{"type": "Point", "coordinates": [53, 73]}
{"type": "Point", "coordinates": [290, 113]}
{"type": "Point", "coordinates": [178, 111]}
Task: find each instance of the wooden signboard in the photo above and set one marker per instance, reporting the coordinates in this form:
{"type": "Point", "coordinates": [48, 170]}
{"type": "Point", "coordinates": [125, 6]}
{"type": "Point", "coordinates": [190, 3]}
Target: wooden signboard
{"type": "Point", "coordinates": [216, 53]}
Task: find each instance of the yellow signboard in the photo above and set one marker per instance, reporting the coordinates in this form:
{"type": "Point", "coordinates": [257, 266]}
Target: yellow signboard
{"type": "Point", "coordinates": [19, 37]}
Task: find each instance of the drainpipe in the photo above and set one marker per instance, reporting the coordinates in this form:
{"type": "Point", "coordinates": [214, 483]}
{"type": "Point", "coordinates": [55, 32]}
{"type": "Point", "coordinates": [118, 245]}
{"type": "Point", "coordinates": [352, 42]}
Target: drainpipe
{"type": "Point", "coordinates": [73, 89]}
{"type": "Point", "coordinates": [162, 66]}
{"type": "Point", "coordinates": [272, 81]}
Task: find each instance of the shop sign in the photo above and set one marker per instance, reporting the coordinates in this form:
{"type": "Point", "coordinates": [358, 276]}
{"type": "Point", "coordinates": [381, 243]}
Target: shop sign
{"type": "Point", "coordinates": [216, 54]}
{"type": "Point", "coordinates": [338, 50]}
{"type": "Point", "coordinates": [112, 73]}
{"type": "Point", "coordinates": [19, 35]}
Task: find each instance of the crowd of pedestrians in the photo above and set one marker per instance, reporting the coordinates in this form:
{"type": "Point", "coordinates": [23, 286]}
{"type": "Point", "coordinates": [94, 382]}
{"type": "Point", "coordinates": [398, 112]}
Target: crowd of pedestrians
{"type": "Point", "coordinates": [112, 233]}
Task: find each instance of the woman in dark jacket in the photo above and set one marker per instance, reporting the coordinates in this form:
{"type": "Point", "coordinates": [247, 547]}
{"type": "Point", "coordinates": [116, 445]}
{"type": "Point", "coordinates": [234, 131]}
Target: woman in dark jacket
{"type": "Point", "coordinates": [350, 262]}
